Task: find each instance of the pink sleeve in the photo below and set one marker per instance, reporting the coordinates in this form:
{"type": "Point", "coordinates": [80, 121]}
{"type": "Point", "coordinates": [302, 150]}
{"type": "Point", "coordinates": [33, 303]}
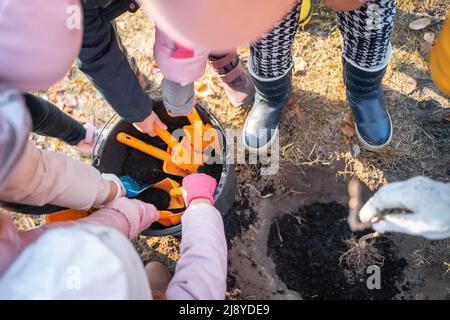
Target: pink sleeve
{"type": "Point", "coordinates": [201, 271]}
{"type": "Point", "coordinates": [129, 217]}
{"type": "Point", "coordinates": [180, 70]}
{"type": "Point", "coordinates": [42, 177]}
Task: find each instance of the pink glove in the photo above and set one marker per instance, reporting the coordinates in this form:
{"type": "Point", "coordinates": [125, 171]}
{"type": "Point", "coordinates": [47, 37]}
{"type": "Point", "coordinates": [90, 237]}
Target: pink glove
{"type": "Point", "coordinates": [139, 215]}
{"type": "Point", "coordinates": [199, 185]}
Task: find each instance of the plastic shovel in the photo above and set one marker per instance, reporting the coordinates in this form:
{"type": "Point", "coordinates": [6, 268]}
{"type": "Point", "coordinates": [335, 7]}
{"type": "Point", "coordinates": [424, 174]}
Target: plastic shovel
{"type": "Point", "coordinates": [206, 133]}
{"type": "Point", "coordinates": [167, 217]}
{"type": "Point", "coordinates": [66, 215]}
{"type": "Point", "coordinates": [134, 189]}
{"type": "Point", "coordinates": [169, 166]}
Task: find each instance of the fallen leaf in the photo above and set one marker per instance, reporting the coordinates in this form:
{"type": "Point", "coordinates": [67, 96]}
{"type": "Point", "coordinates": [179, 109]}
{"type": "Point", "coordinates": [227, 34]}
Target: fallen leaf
{"type": "Point", "coordinates": [348, 131]}
{"type": "Point", "coordinates": [298, 113]}
{"type": "Point", "coordinates": [410, 85]}
{"type": "Point", "coordinates": [446, 118]}
{"type": "Point", "coordinates": [57, 145]}
{"type": "Point", "coordinates": [154, 67]}
{"type": "Point", "coordinates": [420, 24]}
{"type": "Point", "coordinates": [427, 44]}
{"type": "Point", "coordinates": [79, 82]}
{"type": "Point", "coordinates": [79, 115]}
{"type": "Point", "coordinates": [202, 87]}
{"type": "Point", "coordinates": [58, 101]}
{"type": "Point", "coordinates": [348, 120]}
{"type": "Point", "coordinates": [355, 150]}
{"type": "Point", "coordinates": [429, 37]}
{"type": "Point", "coordinates": [203, 90]}
{"type": "Point", "coordinates": [426, 47]}
{"type": "Point", "coordinates": [70, 103]}
{"type": "Point", "coordinates": [98, 95]}
{"type": "Point", "coordinates": [300, 67]}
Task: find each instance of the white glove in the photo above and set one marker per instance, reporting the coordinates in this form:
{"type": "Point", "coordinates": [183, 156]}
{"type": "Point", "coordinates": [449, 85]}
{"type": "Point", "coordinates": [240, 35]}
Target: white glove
{"type": "Point", "coordinates": [121, 191]}
{"type": "Point", "coordinates": [428, 200]}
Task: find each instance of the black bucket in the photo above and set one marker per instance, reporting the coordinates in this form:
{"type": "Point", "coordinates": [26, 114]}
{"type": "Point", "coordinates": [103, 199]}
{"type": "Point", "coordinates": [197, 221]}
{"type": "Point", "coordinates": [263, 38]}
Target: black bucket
{"type": "Point", "coordinates": [113, 155]}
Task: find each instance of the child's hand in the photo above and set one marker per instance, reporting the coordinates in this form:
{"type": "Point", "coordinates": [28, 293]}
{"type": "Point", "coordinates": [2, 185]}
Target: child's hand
{"type": "Point", "coordinates": [116, 188]}
{"type": "Point", "coordinates": [148, 125]}
{"type": "Point", "coordinates": [199, 186]}
{"type": "Point", "coordinates": [344, 5]}
{"type": "Point", "coordinates": [140, 215]}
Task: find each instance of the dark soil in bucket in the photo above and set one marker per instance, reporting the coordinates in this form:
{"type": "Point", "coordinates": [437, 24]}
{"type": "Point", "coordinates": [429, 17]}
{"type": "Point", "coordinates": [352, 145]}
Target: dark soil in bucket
{"type": "Point", "coordinates": [159, 198]}
{"type": "Point", "coordinates": [146, 169]}
{"type": "Point", "coordinates": [306, 247]}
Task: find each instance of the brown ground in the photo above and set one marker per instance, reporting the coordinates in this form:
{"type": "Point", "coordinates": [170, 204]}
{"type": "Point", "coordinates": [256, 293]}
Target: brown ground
{"type": "Point", "coordinates": [314, 149]}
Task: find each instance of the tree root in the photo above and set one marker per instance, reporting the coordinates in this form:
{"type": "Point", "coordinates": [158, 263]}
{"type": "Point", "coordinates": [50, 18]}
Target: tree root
{"type": "Point", "coordinates": [361, 253]}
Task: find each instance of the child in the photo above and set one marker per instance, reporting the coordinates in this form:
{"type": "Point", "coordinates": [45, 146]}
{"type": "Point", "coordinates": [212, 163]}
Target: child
{"type": "Point", "coordinates": [38, 177]}
{"type": "Point", "coordinates": [68, 254]}
{"type": "Point", "coordinates": [366, 27]}
{"type": "Point", "coordinates": [49, 120]}
{"type": "Point", "coordinates": [35, 52]}
{"type": "Point", "coordinates": [181, 67]}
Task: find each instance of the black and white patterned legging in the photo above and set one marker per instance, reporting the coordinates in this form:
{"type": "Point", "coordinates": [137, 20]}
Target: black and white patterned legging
{"type": "Point", "coordinates": [366, 34]}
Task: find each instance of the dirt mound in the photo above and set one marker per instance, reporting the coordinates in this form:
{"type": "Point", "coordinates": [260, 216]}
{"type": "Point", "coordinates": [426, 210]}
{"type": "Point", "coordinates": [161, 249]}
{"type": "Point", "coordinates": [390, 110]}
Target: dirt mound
{"type": "Point", "coordinates": [306, 247]}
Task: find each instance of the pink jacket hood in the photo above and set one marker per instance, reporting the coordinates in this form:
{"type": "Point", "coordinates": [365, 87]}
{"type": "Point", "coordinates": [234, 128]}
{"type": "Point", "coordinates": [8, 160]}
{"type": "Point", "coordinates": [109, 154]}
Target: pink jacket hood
{"type": "Point", "coordinates": [39, 40]}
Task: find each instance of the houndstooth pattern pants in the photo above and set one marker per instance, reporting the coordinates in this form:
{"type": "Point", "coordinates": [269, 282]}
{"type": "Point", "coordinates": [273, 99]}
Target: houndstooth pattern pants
{"type": "Point", "coordinates": [366, 35]}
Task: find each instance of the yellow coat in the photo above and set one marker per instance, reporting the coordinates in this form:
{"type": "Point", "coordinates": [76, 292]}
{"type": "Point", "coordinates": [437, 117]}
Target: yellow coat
{"type": "Point", "coordinates": [440, 59]}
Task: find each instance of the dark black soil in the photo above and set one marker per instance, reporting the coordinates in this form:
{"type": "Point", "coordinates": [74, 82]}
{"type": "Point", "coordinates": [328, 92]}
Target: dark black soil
{"type": "Point", "coordinates": [307, 256]}
{"type": "Point", "coordinates": [159, 198]}
{"type": "Point", "coordinates": [240, 217]}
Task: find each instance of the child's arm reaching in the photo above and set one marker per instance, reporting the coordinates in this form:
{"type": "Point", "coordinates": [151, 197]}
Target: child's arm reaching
{"type": "Point", "coordinates": [44, 177]}
{"type": "Point", "coordinates": [201, 271]}
{"type": "Point", "coordinates": [127, 216]}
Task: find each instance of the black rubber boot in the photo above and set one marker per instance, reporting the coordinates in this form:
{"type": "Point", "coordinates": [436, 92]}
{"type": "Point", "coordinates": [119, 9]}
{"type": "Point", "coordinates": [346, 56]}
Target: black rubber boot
{"type": "Point", "coordinates": [364, 93]}
{"type": "Point", "coordinates": [261, 125]}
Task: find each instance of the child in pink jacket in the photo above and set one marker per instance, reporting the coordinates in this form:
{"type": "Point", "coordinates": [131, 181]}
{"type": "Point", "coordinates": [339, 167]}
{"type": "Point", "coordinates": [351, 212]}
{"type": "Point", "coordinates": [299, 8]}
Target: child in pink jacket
{"type": "Point", "coordinates": [89, 255]}
{"type": "Point", "coordinates": [180, 67]}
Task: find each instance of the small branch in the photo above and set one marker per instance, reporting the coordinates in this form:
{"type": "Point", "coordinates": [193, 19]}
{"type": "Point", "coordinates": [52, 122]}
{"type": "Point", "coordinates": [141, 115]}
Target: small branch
{"type": "Point", "coordinates": [291, 192]}
{"type": "Point", "coordinates": [278, 230]}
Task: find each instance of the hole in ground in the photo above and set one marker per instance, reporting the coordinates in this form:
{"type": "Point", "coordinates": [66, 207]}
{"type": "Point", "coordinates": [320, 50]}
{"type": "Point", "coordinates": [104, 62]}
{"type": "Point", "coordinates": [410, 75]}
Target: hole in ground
{"type": "Point", "coordinates": [306, 247]}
